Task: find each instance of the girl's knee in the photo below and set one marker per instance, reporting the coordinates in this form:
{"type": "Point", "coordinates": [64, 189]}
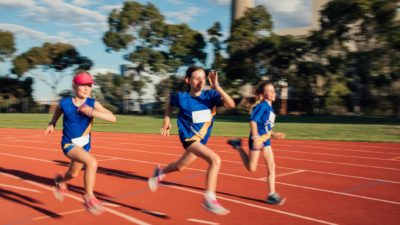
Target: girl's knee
{"type": "Point", "coordinates": [216, 160]}
{"type": "Point", "coordinates": [271, 166]}
{"type": "Point", "coordinates": [252, 168]}
{"type": "Point", "coordinates": [72, 174]}
{"type": "Point", "coordinates": [92, 163]}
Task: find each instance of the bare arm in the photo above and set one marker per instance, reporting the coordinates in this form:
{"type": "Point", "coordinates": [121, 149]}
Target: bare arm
{"type": "Point", "coordinates": [278, 135]}
{"type": "Point", "coordinates": [228, 101]}
{"type": "Point", "coordinates": [102, 113]}
{"type": "Point", "coordinates": [213, 79]}
{"type": "Point", "coordinates": [255, 135]}
{"type": "Point", "coordinates": [98, 111]}
{"type": "Point", "coordinates": [166, 126]}
{"type": "Point", "coordinates": [50, 127]}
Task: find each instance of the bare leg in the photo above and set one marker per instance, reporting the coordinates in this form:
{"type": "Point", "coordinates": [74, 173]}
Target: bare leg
{"type": "Point", "coordinates": [186, 159]}
{"type": "Point", "coordinates": [213, 160]}
{"type": "Point", "coordinates": [80, 155]}
{"type": "Point", "coordinates": [72, 172]}
{"type": "Point", "coordinates": [268, 156]}
{"type": "Point", "coordinates": [250, 160]}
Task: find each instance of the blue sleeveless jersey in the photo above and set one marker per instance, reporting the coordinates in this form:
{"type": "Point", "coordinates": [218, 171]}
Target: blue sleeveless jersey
{"type": "Point", "coordinates": [263, 114]}
{"type": "Point", "coordinates": [196, 114]}
{"type": "Point", "coordinates": [76, 126]}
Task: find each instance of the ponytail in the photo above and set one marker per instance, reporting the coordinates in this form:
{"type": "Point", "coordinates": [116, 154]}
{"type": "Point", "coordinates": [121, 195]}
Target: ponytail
{"type": "Point", "coordinates": [252, 101]}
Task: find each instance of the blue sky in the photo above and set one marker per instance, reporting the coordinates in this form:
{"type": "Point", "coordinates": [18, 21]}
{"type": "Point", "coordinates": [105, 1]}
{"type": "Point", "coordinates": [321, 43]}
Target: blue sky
{"type": "Point", "coordinates": [83, 23]}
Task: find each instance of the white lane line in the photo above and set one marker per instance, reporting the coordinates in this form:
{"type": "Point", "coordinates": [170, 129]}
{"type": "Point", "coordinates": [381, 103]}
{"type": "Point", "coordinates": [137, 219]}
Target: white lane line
{"type": "Point", "coordinates": [395, 158]}
{"type": "Point", "coordinates": [202, 221]}
{"type": "Point", "coordinates": [233, 175]}
{"type": "Point", "coordinates": [328, 154]}
{"type": "Point", "coordinates": [284, 174]}
{"type": "Point", "coordinates": [124, 216]}
{"type": "Point", "coordinates": [257, 206]}
{"type": "Point", "coordinates": [339, 146]}
{"type": "Point", "coordinates": [19, 188]}
{"type": "Point", "coordinates": [61, 214]}
{"type": "Point", "coordinates": [102, 160]}
{"type": "Point", "coordinates": [321, 172]}
{"type": "Point", "coordinates": [310, 160]}
{"type": "Point", "coordinates": [311, 145]}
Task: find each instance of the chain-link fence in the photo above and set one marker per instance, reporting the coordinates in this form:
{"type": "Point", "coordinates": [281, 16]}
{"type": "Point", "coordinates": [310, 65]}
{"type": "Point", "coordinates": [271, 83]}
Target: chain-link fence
{"type": "Point", "coordinates": [296, 105]}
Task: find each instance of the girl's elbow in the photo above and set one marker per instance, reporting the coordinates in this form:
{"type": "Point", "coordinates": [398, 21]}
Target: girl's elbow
{"type": "Point", "coordinates": [231, 105]}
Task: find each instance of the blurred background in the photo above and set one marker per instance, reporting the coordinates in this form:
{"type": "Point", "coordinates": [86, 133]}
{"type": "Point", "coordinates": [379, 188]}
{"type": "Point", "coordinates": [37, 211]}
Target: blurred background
{"type": "Point", "coordinates": [336, 57]}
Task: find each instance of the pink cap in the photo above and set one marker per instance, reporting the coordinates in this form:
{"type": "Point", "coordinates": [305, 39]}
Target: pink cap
{"type": "Point", "coordinates": [83, 78]}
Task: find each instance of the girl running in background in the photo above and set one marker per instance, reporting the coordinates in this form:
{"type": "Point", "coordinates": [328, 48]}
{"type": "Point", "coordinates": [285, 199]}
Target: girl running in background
{"type": "Point", "coordinates": [262, 120]}
{"type": "Point", "coordinates": [197, 108]}
{"type": "Point", "coordinates": [79, 112]}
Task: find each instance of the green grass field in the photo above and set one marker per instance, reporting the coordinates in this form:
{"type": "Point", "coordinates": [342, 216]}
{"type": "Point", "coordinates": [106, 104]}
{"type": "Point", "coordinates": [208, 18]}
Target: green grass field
{"type": "Point", "coordinates": [303, 127]}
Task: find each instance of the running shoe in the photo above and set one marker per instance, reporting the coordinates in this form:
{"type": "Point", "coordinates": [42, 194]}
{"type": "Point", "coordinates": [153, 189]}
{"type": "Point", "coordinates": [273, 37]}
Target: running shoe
{"type": "Point", "coordinates": [155, 180]}
{"type": "Point", "coordinates": [58, 190]}
{"type": "Point", "coordinates": [215, 207]}
{"type": "Point", "coordinates": [275, 199]}
{"type": "Point", "coordinates": [93, 205]}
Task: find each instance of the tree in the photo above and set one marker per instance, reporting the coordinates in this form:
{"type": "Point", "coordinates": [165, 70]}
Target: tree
{"type": "Point", "coordinates": [215, 38]}
{"type": "Point", "coordinates": [15, 94]}
{"type": "Point", "coordinates": [7, 45]}
{"type": "Point", "coordinates": [246, 33]}
{"type": "Point", "coordinates": [113, 91]}
{"type": "Point", "coordinates": [364, 34]}
{"type": "Point", "coordinates": [152, 45]}
{"type": "Point", "coordinates": [58, 59]}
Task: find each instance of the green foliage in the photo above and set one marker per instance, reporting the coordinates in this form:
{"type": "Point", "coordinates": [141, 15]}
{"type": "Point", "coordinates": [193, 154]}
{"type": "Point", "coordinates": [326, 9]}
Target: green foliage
{"type": "Point", "coordinates": [7, 45]}
{"type": "Point", "coordinates": [14, 93]}
{"type": "Point", "coordinates": [113, 90]}
{"type": "Point", "coordinates": [54, 58]}
{"type": "Point", "coordinates": [57, 57]}
{"type": "Point", "coordinates": [249, 29]}
{"type": "Point", "coordinates": [157, 46]}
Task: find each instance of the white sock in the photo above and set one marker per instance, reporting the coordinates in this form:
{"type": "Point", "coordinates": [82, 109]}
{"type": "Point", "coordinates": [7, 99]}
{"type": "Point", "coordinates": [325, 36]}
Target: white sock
{"type": "Point", "coordinates": [210, 195]}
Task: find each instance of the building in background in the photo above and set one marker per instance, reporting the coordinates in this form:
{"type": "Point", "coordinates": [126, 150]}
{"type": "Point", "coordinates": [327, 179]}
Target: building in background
{"type": "Point", "coordinates": [317, 5]}
{"type": "Point", "coordinates": [239, 7]}
{"type": "Point", "coordinates": [145, 102]}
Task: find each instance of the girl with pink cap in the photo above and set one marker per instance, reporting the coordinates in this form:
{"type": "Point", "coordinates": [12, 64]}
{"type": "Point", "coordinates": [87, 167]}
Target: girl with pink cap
{"type": "Point", "coordinates": [79, 112]}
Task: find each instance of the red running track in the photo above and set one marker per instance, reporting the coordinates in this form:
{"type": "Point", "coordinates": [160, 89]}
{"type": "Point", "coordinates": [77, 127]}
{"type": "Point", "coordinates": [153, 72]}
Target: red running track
{"type": "Point", "coordinates": [325, 182]}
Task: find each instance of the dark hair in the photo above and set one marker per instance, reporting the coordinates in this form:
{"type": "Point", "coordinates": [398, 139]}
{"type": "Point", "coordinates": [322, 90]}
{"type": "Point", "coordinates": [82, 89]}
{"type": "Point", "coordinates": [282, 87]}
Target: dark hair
{"type": "Point", "coordinates": [250, 102]}
{"type": "Point", "coordinates": [191, 70]}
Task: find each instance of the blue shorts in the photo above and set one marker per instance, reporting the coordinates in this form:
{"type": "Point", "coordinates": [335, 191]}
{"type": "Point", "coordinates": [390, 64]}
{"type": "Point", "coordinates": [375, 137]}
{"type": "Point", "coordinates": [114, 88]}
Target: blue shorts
{"type": "Point", "coordinates": [69, 146]}
{"type": "Point", "coordinates": [266, 141]}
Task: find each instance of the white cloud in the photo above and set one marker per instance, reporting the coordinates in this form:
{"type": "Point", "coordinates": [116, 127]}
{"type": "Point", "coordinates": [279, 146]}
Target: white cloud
{"type": "Point", "coordinates": [99, 70]}
{"type": "Point", "coordinates": [58, 11]}
{"type": "Point", "coordinates": [183, 16]}
{"type": "Point", "coordinates": [285, 13]}
{"type": "Point", "coordinates": [17, 4]}
{"type": "Point", "coordinates": [82, 2]}
{"type": "Point", "coordinates": [221, 2]}
{"type": "Point", "coordinates": [28, 33]}
{"type": "Point", "coordinates": [288, 13]}
{"type": "Point", "coordinates": [109, 8]}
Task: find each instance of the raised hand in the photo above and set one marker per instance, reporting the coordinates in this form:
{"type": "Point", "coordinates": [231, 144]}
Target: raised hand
{"type": "Point", "coordinates": [213, 78]}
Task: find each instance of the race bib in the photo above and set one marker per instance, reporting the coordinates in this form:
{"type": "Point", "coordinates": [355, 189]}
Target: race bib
{"type": "Point", "coordinates": [81, 141]}
{"type": "Point", "coordinates": [271, 118]}
{"type": "Point", "coordinates": [201, 116]}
